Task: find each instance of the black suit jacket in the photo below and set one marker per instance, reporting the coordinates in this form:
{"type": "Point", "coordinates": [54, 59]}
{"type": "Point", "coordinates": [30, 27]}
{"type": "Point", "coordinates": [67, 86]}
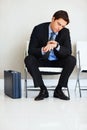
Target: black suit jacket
{"type": "Point", "coordinates": [39, 38]}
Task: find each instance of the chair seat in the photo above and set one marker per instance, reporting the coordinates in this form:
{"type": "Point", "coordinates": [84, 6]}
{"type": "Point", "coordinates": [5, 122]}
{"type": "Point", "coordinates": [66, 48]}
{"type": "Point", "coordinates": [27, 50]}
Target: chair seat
{"type": "Point", "coordinates": [50, 69]}
{"type": "Point", "coordinates": [83, 68]}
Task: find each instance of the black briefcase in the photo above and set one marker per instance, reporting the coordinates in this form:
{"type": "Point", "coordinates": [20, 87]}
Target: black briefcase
{"type": "Point", "coordinates": [12, 83]}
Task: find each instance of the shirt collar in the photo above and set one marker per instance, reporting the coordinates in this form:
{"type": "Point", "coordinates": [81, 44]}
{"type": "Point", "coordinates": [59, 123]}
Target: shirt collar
{"type": "Point", "coordinates": [50, 31]}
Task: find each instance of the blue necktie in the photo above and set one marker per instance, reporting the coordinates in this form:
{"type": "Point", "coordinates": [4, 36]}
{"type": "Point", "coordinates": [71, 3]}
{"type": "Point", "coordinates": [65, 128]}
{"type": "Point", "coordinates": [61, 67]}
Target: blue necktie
{"type": "Point", "coordinates": [52, 36]}
{"type": "Point", "coordinates": [51, 53]}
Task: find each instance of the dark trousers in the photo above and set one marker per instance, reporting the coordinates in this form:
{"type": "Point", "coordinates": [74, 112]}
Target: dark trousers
{"type": "Point", "coordinates": [33, 65]}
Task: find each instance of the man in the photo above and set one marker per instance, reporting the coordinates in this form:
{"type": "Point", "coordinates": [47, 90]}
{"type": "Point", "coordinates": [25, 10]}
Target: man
{"type": "Point", "coordinates": [50, 46]}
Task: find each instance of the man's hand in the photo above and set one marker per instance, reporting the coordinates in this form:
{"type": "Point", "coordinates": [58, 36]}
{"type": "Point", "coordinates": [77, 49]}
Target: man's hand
{"type": "Point", "coordinates": [50, 46]}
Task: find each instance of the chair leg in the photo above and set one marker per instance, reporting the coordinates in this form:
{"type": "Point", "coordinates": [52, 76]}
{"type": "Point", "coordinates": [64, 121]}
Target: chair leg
{"type": "Point", "coordinates": [78, 83]}
{"type": "Point", "coordinates": [79, 88]}
{"type": "Point", "coordinates": [68, 92]}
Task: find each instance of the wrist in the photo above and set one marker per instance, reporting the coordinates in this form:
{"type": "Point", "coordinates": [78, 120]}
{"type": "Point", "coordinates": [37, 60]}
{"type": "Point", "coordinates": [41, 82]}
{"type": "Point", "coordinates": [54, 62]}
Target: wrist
{"type": "Point", "coordinates": [57, 44]}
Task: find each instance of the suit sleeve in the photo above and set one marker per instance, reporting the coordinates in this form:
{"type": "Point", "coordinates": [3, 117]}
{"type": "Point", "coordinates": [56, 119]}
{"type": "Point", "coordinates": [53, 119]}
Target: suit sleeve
{"type": "Point", "coordinates": [65, 44]}
{"type": "Point", "coordinates": [34, 44]}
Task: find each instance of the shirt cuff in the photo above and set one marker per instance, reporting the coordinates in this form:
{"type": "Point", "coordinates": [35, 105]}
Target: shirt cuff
{"type": "Point", "coordinates": [58, 48]}
{"type": "Point", "coordinates": [43, 53]}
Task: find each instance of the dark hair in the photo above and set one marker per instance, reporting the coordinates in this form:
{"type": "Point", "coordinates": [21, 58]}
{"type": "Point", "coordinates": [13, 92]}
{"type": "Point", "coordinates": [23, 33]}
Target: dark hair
{"type": "Point", "coordinates": [61, 14]}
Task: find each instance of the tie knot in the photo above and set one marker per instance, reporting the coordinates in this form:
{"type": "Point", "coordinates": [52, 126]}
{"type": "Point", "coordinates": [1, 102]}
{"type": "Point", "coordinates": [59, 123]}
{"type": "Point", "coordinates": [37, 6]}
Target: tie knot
{"type": "Point", "coordinates": [52, 36]}
{"type": "Point", "coordinates": [52, 33]}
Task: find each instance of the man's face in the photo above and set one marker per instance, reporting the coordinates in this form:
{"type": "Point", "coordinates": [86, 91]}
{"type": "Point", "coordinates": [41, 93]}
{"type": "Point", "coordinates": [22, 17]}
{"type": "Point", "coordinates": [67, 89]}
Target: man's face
{"type": "Point", "coordinates": [58, 24]}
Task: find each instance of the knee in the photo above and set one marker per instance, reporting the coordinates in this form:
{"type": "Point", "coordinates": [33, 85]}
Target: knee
{"type": "Point", "coordinates": [29, 60]}
{"type": "Point", "coordinates": [26, 60]}
{"type": "Point", "coordinates": [71, 60]}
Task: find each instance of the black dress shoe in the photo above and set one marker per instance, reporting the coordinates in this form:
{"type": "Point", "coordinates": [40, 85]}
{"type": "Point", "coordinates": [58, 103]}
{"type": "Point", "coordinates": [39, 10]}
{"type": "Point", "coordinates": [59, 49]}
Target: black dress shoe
{"type": "Point", "coordinates": [42, 94]}
{"type": "Point", "coordinates": [60, 94]}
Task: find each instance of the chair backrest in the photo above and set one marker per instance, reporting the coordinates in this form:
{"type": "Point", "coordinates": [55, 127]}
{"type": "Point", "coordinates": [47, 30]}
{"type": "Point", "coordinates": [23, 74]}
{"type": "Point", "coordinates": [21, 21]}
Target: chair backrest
{"type": "Point", "coordinates": [26, 48]}
{"type": "Point", "coordinates": [81, 50]}
{"type": "Point", "coordinates": [54, 70]}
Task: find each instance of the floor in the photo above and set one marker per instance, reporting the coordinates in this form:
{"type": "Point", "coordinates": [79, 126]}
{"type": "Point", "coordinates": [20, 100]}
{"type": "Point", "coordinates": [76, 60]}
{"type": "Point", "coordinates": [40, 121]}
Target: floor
{"type": "Point", "coordinates": [48, 114]}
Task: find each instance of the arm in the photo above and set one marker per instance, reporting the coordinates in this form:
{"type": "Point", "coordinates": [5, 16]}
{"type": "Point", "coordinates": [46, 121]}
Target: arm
{"type": "Point", "coordinates": [34, 48]}
{"type": "Point", "coordinates": [65, 44]}
{"type": "Point", "coordinates": [39, 39]}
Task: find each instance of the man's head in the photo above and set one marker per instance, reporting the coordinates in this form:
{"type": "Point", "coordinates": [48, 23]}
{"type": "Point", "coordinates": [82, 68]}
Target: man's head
{"type": "Point", "coordinates": [59, 20]}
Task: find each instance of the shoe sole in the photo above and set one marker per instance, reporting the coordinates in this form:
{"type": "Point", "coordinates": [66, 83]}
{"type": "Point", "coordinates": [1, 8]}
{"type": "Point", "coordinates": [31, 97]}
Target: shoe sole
{"type": "Point", "coordinates": [61, 98]}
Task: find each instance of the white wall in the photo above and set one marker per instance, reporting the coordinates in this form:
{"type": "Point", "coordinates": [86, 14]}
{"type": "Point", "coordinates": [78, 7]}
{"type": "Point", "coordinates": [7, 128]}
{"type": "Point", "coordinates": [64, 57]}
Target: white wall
{"type": "Point", "coordinates": [18, 17]}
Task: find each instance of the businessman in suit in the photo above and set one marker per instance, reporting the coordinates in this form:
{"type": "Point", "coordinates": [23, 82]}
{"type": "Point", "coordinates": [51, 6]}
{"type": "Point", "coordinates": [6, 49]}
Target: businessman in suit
{"type": "Point", "coordinates": [50, 46]}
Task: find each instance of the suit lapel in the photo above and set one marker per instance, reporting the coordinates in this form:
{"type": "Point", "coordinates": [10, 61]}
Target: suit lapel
{"type": "Point", "coordinates": [58, 37]}
{"type": "Point", "coordinates": [46, 32]}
